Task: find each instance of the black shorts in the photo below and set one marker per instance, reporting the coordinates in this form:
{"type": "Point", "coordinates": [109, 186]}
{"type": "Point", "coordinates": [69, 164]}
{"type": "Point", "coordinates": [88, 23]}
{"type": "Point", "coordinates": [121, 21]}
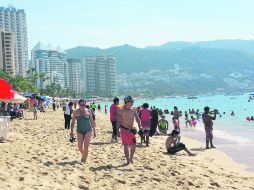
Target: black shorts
{"type": "Point", "coordinates": [176, 148]}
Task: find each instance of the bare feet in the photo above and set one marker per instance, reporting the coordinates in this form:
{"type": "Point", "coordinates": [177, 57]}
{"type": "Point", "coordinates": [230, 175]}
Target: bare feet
{"type": "Point", "coordinates": [83, 160]}
{"type": "Point", "coordinates": [192, 154]}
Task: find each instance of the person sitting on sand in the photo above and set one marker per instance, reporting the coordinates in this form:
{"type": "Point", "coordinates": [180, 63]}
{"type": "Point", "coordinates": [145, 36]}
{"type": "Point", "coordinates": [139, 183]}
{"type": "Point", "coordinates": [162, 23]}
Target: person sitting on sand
{"type": "Point", "coordinates": [173, 144]}
{"type": "Point", "coordinates": [163, 125]}
{"type": "Point", "coordinates": [125, 122]}
{"type": "Point", "coordinates": [207, 120]}
{"type": "Point", "coordinates": [85, 126]}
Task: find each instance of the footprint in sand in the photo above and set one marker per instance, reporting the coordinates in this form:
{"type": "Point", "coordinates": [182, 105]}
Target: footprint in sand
{"type": "Point", "coordinates": [215, 184]}
{"type": "Point", "coordinates": [121, 181]}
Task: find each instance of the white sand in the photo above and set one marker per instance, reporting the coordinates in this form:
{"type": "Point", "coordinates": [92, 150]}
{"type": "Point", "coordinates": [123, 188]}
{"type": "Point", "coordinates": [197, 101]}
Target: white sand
{"type": "Point", "coordinates": [38, 155]}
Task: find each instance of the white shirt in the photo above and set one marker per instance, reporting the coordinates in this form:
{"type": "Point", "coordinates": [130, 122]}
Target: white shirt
{"type": "Point", "coordinates": [67, 110]}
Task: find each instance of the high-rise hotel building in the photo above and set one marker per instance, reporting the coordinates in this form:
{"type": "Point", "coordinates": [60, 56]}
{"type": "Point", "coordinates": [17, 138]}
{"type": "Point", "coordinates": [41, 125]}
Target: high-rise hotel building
{"type": "Point", "coordinates": [14, 20]}
{"type": "Point", "coordinates": [101, 75]}
{"type": "Point", "coordinates": [77, 76]}
{"type": "Point", "coordinates": [7, 56]}
{"type": "Point", "coordinates": [52, 63]}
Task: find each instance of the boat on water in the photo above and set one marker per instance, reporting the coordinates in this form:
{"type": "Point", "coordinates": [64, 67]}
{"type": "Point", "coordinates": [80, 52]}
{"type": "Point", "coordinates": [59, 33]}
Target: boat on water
{"type": "Point", "coordinates": [192, 97]}
{"type": "Point", "coordinates": [251, 96]}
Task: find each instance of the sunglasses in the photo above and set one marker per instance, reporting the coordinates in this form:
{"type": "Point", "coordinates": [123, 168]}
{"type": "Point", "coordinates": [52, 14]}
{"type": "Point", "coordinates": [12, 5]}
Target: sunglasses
{"type": "Point", "coordinates": [82, 105]}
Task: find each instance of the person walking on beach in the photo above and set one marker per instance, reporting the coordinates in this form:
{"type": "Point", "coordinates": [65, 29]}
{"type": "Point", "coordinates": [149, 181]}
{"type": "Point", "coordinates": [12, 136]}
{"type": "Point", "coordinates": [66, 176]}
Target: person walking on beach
{"type": "Point", "coordinates": [145, 117]}
{"type": "Point", "coordinates": [85, 126]}
{"type": "Point", "coordinates": [99, 107]}
{"type": "Point", "coordinates": [34, 104]}
{"type": "Point", "coordinates": [67, 115]}
{"type": "Point", "coordinates": [207, 120]}
{"type": "Point", "coordinates": [54, 104]}
{"type": "Point", "coordinates": [93, 106]}
{"type": "Point", "coordinates": [113, 118]}
{"type": "Point", "coordinates": [173, 144]}
{"type": "Point", "coordinates": [105, 109]}
{"type": "Point", "coordinates": [125, 121]}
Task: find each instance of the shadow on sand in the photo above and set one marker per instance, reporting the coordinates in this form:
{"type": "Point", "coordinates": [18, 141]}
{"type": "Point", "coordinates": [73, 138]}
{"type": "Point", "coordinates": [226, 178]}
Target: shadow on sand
{"type": "Point", "coordinates": [100, 143]}
{"type": "Point", "coordinates": [68, 163]}
{"type": "Point", "coordinates": [198, 149]}
{"type": "Point", "coordinates": [109, 167]}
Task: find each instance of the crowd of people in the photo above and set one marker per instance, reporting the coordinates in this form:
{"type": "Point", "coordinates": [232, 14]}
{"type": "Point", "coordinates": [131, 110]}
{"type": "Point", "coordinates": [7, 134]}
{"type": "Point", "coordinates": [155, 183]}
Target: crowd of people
{"type": "Point", "coordinates": [122, 119]}
{"type": "Point", "coordinates": [150, 121]}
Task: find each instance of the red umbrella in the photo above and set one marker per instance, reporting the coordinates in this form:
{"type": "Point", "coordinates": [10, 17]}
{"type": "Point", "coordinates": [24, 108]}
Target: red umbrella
{"type": "Point", "coordinates": [6, 92]}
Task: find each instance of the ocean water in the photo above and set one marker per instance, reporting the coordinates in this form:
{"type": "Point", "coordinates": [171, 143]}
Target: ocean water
{"type": "Point", "coordinates": [233, 135]}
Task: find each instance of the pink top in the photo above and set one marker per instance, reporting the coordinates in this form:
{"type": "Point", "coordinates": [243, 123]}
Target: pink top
{"type": "Point", "coordinates": [145, 116]}
{"type": "Point", "coordinates": [34, 102]}
{"type": "Point", "coordinates": [113, 112]}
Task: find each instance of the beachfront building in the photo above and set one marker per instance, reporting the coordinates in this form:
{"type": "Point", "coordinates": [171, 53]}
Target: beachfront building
{"type": "Point", "coordinates": [14, 20]}
{"type": "Point", "coordinates": [76, 74]}
{"type": "Point", "coordinates": [7, 55]}
{"type": "Point", "coordinates": [101, 75]}
{"type": "Point", "coordinates": [50, 65]}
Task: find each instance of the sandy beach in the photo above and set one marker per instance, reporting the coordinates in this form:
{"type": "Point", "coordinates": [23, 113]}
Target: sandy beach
{"type": "Point", "coordinates": [38, 155]}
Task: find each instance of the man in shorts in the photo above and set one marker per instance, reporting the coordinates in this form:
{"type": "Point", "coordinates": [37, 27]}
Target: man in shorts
{"type": "Point", "coordinates": [125, 122]}
{"type": "Point", "coordinates": [207, 120]}
{"type": "Point", "coordinates": [173, 144]}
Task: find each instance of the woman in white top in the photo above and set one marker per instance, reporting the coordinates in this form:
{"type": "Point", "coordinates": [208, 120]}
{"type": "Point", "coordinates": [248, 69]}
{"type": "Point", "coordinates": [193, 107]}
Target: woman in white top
{"type": "Point", "coordinates": [67, 115]}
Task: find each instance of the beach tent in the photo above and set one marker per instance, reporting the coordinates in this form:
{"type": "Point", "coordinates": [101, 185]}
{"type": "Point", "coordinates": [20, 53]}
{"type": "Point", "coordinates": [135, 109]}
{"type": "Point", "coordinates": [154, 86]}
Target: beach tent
{"type": "Point", "coordinates": [6, 92]}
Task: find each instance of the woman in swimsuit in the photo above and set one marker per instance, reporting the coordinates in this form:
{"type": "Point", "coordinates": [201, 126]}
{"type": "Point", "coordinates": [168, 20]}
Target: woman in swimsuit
{"type": "Point", "coordinates": [85, 126]}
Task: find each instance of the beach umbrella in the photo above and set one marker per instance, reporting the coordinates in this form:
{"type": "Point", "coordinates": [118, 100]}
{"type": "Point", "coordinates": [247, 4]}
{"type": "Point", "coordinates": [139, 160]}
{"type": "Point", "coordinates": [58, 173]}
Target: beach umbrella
{"type": "Point", "coordinates": [18, 99]}
{"type": "Point", "coordinates": [6, 92]}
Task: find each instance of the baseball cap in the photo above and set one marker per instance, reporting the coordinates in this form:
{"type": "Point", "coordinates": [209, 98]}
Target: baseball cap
{"type": "Point", "coordinates": [128, 99]}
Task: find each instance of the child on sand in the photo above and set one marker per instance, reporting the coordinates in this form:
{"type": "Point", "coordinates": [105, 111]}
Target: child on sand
{"type": "Point", "coordinates": [163, 125]}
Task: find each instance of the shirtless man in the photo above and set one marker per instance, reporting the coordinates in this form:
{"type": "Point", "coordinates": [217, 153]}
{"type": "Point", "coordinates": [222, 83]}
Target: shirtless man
{"type": "Point", "coordinates": [125, 122]}
{"type": "Point", "coordinates": [173, 144]}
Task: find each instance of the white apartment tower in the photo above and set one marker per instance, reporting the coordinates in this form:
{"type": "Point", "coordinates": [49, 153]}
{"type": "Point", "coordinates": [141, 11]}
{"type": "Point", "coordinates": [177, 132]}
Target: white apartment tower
{"type": "Point", "coordinates": [101, 75]}
{"type": "Point", "coordinates": [51, 66]}
{"type": "Point", "coordinates": [76, 74]}
{"type": "Point", "coordinates": [7, 56]}
{"type": "Point", "coordinates": [14, 20]}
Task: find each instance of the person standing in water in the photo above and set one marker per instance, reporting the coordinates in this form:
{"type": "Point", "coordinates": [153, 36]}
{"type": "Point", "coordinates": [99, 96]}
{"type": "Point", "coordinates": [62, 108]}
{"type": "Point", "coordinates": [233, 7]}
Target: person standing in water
{"type": "Point", "coordinates": [175, 119]}
{"type": "Point", "coordinates": [113, 118]}
{"type": "Point", "coordinates": [207, 120]}
{"type": "Point", "coordinates": [85, 126]}
{"type": "Point", "coordinates": [125, 121]}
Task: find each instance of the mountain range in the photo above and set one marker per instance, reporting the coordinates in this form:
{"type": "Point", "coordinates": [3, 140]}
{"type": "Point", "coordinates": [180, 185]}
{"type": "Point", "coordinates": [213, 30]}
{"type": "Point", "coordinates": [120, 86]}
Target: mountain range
{"type": "Point", "coordinates": [181, 67]}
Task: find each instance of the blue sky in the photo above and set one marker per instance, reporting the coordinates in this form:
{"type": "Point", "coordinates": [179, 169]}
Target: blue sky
{"type": "Point", "coordinates": [106, 23]}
